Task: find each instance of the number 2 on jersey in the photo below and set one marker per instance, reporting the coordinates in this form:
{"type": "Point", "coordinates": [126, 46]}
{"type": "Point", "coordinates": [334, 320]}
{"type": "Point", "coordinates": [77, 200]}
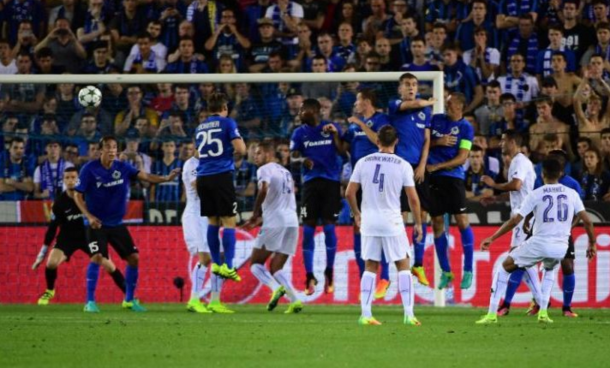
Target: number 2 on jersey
{"type": "Point", "coordinates": [562, 208]}
{"type": "Point", "coordinates": [207, 138]}
{"type": "Point", "coordinates": [378, 177]}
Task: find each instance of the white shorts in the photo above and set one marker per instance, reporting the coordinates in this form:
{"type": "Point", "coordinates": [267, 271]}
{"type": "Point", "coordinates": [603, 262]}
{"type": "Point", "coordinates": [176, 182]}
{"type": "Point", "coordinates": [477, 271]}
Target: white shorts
{"type": "Point", "coordinates": [394, 248]}
{"type": "Point", "coordinates": [278, 239]}
{"type": "Point", "coordinates": [518, 236]}
{"type": "Point", "coordinates": [195, 230]}
{"type": "Point", "coordinates": [534, 250]}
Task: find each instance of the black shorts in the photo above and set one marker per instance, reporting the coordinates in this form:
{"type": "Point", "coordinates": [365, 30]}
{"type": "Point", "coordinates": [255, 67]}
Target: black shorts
{"type": "Point", "coordinates": [217, 195]}
{"type": "Point", "coordinates": [321, 199]}
{"type": "Point", "coordinates": [447, 195]}
{"type": "Point", "coordinates": [571, 253]}
{"type": "Point", "coordinates": [423, 192]}
{"type": "Point", "coordinates": [118, 237]}
{"type": "Point", "coordinates": [69, 246]}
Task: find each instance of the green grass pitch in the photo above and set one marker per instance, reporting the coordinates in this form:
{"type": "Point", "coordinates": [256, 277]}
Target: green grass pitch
{"type": "Point", "coordinates": [321, 336]}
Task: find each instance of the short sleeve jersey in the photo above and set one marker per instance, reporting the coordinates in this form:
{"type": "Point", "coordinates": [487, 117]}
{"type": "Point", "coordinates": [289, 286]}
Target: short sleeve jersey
{"type": "Point", "coordinates": [213, 139]}
{"type": "Point", "coordinates": [106, 190]}
{"type": "Point", "coordinates": [442, 125]}
{"type": "Point", "coordinates": [360, 144]}
{"type": "Point", "coordinates": [319, 147]}
{"type": "Point", "coordinates": [280, 206]}
{"type": "Point", "coordinates": [411, 127]}
{"type": "Point", "coordinates": [521, 168]}
{"type": "Point", "coordinates": [382, 177]}
{"type": "Point", "coordinates": [189, 175]}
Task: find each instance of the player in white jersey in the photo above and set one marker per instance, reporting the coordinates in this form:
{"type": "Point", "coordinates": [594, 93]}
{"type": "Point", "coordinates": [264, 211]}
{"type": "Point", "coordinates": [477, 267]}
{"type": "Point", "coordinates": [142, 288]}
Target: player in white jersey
{"type": "Point", "coordinates": [276, 207]}
{"type": "Point", "coordinates": [383, 176]}
{"type": "Point", "coordinates": [194, 228]}
{"type": "Point", "coordinates": [554, 207]}
{"type": "Point", "coordinates": [521, 178]}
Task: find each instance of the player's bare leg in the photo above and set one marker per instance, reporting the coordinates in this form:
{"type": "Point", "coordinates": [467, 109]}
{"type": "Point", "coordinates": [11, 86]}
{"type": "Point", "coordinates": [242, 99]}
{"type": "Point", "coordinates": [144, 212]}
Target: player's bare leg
{"type": "Point", "coordinates": [367, 288]}
{"type": "Point", "coordinates": [56, 258]}
{"type": "Point", "coordinates": [197, 280]}
{"type": "Point", "coordinates": [407, 291]}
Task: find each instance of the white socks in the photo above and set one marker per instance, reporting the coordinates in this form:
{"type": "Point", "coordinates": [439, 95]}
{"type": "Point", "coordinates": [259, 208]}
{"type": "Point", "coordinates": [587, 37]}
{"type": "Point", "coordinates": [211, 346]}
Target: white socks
{"type": "Point", "coordinates": [548, 280]}
{"type": "Point", "coordinates": [407, 292]}
{"type": "Point", "coordinates": [281, 277]}
{"type": "Point", "coordinates": [531, 280]}
{"type": "Point", "coordinates": [216, 288]}
{"type": "Point", "coordinates": [197, 280]}
{"type": "Point", "coordinates": [367, 288]}
{"type": "Point", "coordinates": [498, 289]}
{"type": "Point", "coordinates": [264, 276]}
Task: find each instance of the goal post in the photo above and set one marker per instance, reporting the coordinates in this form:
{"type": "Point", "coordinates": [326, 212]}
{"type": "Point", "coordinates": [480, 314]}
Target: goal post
{"type": "Point", "coordinates": [436, 78]}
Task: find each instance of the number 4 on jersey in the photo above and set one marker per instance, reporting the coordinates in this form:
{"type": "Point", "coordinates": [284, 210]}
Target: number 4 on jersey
{"type": "Point", "coordinates": [378, 177]}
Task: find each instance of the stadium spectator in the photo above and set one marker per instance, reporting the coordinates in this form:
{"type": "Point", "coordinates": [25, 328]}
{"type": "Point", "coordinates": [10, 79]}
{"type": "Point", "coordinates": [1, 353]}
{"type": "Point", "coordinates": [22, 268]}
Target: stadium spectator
{"type": "Point", "coordinates": [47, 131]}
{"type": "Point", "coordinates": [544, 64]}
{"type": "Point", "coordinates": [410, 31]}
{"type": "Point", "coordinates": [593, 119]}
{"type": "Point", "coordinates": [393, 27]}
{"type": "Point", "coordinates": [595, 180]}
{"type": "Point", "coordinates": [8, 63]}
{"type": "Point", "coordinates": [71, 154]}
{"type": "Point", "coordinates": [8, 130]}
{"type": "Point", "coordinates": [314, 13]}
{"type": "Point", "coordinates": [475, 188]}
{"type": "Point", "coordinates": [26, 38]}
{"type": "Point", "coordinates": [602, 47]}
{"type": "Point", "coordinates": [170, 191]}
{"type": "Point", "coordinates": [254, 13]}
{"type": "Point", "coordinates": [549, 88]}
{"type": "Point", "coordinates": [16, 177]}
{"type": "Point", "coordinates": [510, 118]}
{"type": "Point", "coordinates": [67, 102]}
{"type": "Point", "coordinates": [490, 159]}
{"type": "Point", "coordinates": [24, 97]}
{"type": "Point", "coordinates": [605, 148]}
{"type": "Point", "coordinates": [227, 40]}
{"type": "Point", "coordinates": [126, 118]}
{"type": "Point", "coordinates": [171, 13]}
{"type": "Point", "coordinates": [48, 176]}
{"type": "Point", "coordinates": [71, 10]}
{"type": "Point", "coordinates": [247, 111]}
{"type": "Point", "coordinates": [435, 43]}
{"type": "Point", "coordinates": [484, 59]}
{"type": "Point", "coordinates": [517, 82]}
{"type": "Point", "coordinates": [104, 120]}
{"type": "Point", "coordinates": [204, 15]}
{"type": "Point", "coordinates": [491, 110]}
{"type": "Point", "coordinates": [286, 16]}
{"type": "Point", "coordinates": [547, 123]}
{"type": "Point", "coordinates": [363, 49]}
{"type": "Point", "coordinates": [186, 59]}
{"type": "Point", "coordinates": [477, 20]}
{"type": "Point", "coordinates": [87, 133]}
{"type": "Point", "coordinates": [45, 64]}
{"type": "Point", "coordinates": [124, 27]}
{"type": "Point", "coordinates": [18, 12]}
{"type": "Point", "coordinates": [595, 12]}
{"type": "Point", "coordinates": [68, 52]}
{"type": "Point", "coordinates": [460, 77]}
{"type": "Point", "coordinates": [373, 25]}
{"type": "Point", "coordinates": [582, 145]}
{"type": "Point", "coordinates": [525, 42]}
{"type": "Point", "coordinates": [576, 36]}
{"type": "Point", "coordinates": [345, 48]}
{"type": "Point", "coordinates": [383, 48]}
{"type": "Point", "coordinates": [100, 63]}
{"type": "Point", "coordinates": [349, 14]}
{"type": "Point", "coordinates": [319, 64]}
{"type": "Point", "coordinates": [244, 179]}
{"type": "Point", "coordinates": [567, 82]}
{"type": "Point", "coordinates": [145, 59]}
{"type": "Point", "coordinates": [173, 127]}
{"type": "Point", "coordinates": [187, 150]}
{"type": "Point", "coordinates": [95, 24]}
{"type": "Point", "coordinates": [154, 31]}
{"type": "Point", "coordinates": [261, 51]}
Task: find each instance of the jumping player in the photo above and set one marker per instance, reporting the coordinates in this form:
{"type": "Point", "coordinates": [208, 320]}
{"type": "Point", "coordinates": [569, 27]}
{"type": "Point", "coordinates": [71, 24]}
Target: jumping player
{"type": "Point", "coordinates": [72, 237]}
{"type": "Point", "coordinates": [276, 207]}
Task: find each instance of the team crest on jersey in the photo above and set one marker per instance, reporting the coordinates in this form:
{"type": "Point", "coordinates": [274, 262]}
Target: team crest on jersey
{"type": "Point", "coordinates": [369, 123]}
{"type": "Point", "coordinates": [421, 115]}
{"type": "Point", "coordinates": [116, 174]}
{"type": "Point", "coordinates": [455, 130]}
{"type": "Point", "coordinates": [325, 134]}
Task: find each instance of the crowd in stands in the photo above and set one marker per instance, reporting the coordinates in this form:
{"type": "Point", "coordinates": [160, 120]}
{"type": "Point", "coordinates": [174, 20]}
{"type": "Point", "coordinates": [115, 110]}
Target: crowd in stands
{"type": "Point", "coordinates": [541, 67]}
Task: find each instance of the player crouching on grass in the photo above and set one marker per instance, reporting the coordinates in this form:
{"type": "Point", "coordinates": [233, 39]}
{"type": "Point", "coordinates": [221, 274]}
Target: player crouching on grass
{"type": "Point", "coordinates": [279, 233]}
{"type": "Point", "coordinates": [383, 176]}
{"type": "Point", "coordinates": [101, 196]}
{"type": "Point", "coordinates": [72, 237]}
{"type": "Point", "coordinates": [554, 207]}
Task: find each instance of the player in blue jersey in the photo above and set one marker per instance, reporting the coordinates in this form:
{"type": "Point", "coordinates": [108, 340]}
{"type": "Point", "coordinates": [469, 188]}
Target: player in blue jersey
{"type": "Point", "coordinates": [452, 137]}
{"type": "Point", "coordinates": [567, 263]}
{"type": "Point", "coordinates": [359, 140]}
{"type": "Point", "coordinates": [217, 139]}
{"type": "Point", "coordinates": [318, 144]}
{"type": "Point", "coordinates": [410, 117]}
{"type": "Point", "coordinates": [101, 196]}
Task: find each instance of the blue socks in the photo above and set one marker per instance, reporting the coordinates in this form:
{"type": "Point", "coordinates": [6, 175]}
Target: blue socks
{"type": "Point", "coordinates": [214, 243]}
{"type": "Point", "coordinates": [330, 238]}
{"type": "Point", "coordinates": [569, 283]}
{"type": "Point", "coordinates": [468, 246]}
{"type": "Point", "coordinates": [93, 273]}
{"type": "Point", "coordinates": [385, 269]}
{"type": "Point", "coordinates": [131, 280]}
{"type": "Point", "coordinates": [358, 254]}
{"type": "Point", "coordinates": [442, 248]}
{"type": "Point", "coordinates": [308, 247]}
{"type": "Point", "coordinates": [513, 284]}
{"type": "Point", "coordinates": [228, 243]}
{"type": "Point", "coordinates": [419, 247]}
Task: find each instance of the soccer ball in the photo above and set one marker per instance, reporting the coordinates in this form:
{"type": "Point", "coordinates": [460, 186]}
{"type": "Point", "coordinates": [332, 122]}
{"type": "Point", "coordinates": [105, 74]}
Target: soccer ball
{"type": "Point", "coordinates": [90, 96]}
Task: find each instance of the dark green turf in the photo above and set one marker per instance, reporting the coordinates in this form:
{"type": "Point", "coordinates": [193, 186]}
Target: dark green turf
{"type": "Point", "coordinates": [168, 336]}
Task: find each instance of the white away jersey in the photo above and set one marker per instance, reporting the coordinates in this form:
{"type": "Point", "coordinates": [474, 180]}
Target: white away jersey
{"type": "Point", "coordinates": [280, 206]}
{"type": "Point", "coordinates": [521, 168]}
{"type": "Point", "coordinates": [382, 177]}
{"type": "Point", "coordinates": [189, 175]}
{"type": "Point", "coordinates": [554, 207]}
